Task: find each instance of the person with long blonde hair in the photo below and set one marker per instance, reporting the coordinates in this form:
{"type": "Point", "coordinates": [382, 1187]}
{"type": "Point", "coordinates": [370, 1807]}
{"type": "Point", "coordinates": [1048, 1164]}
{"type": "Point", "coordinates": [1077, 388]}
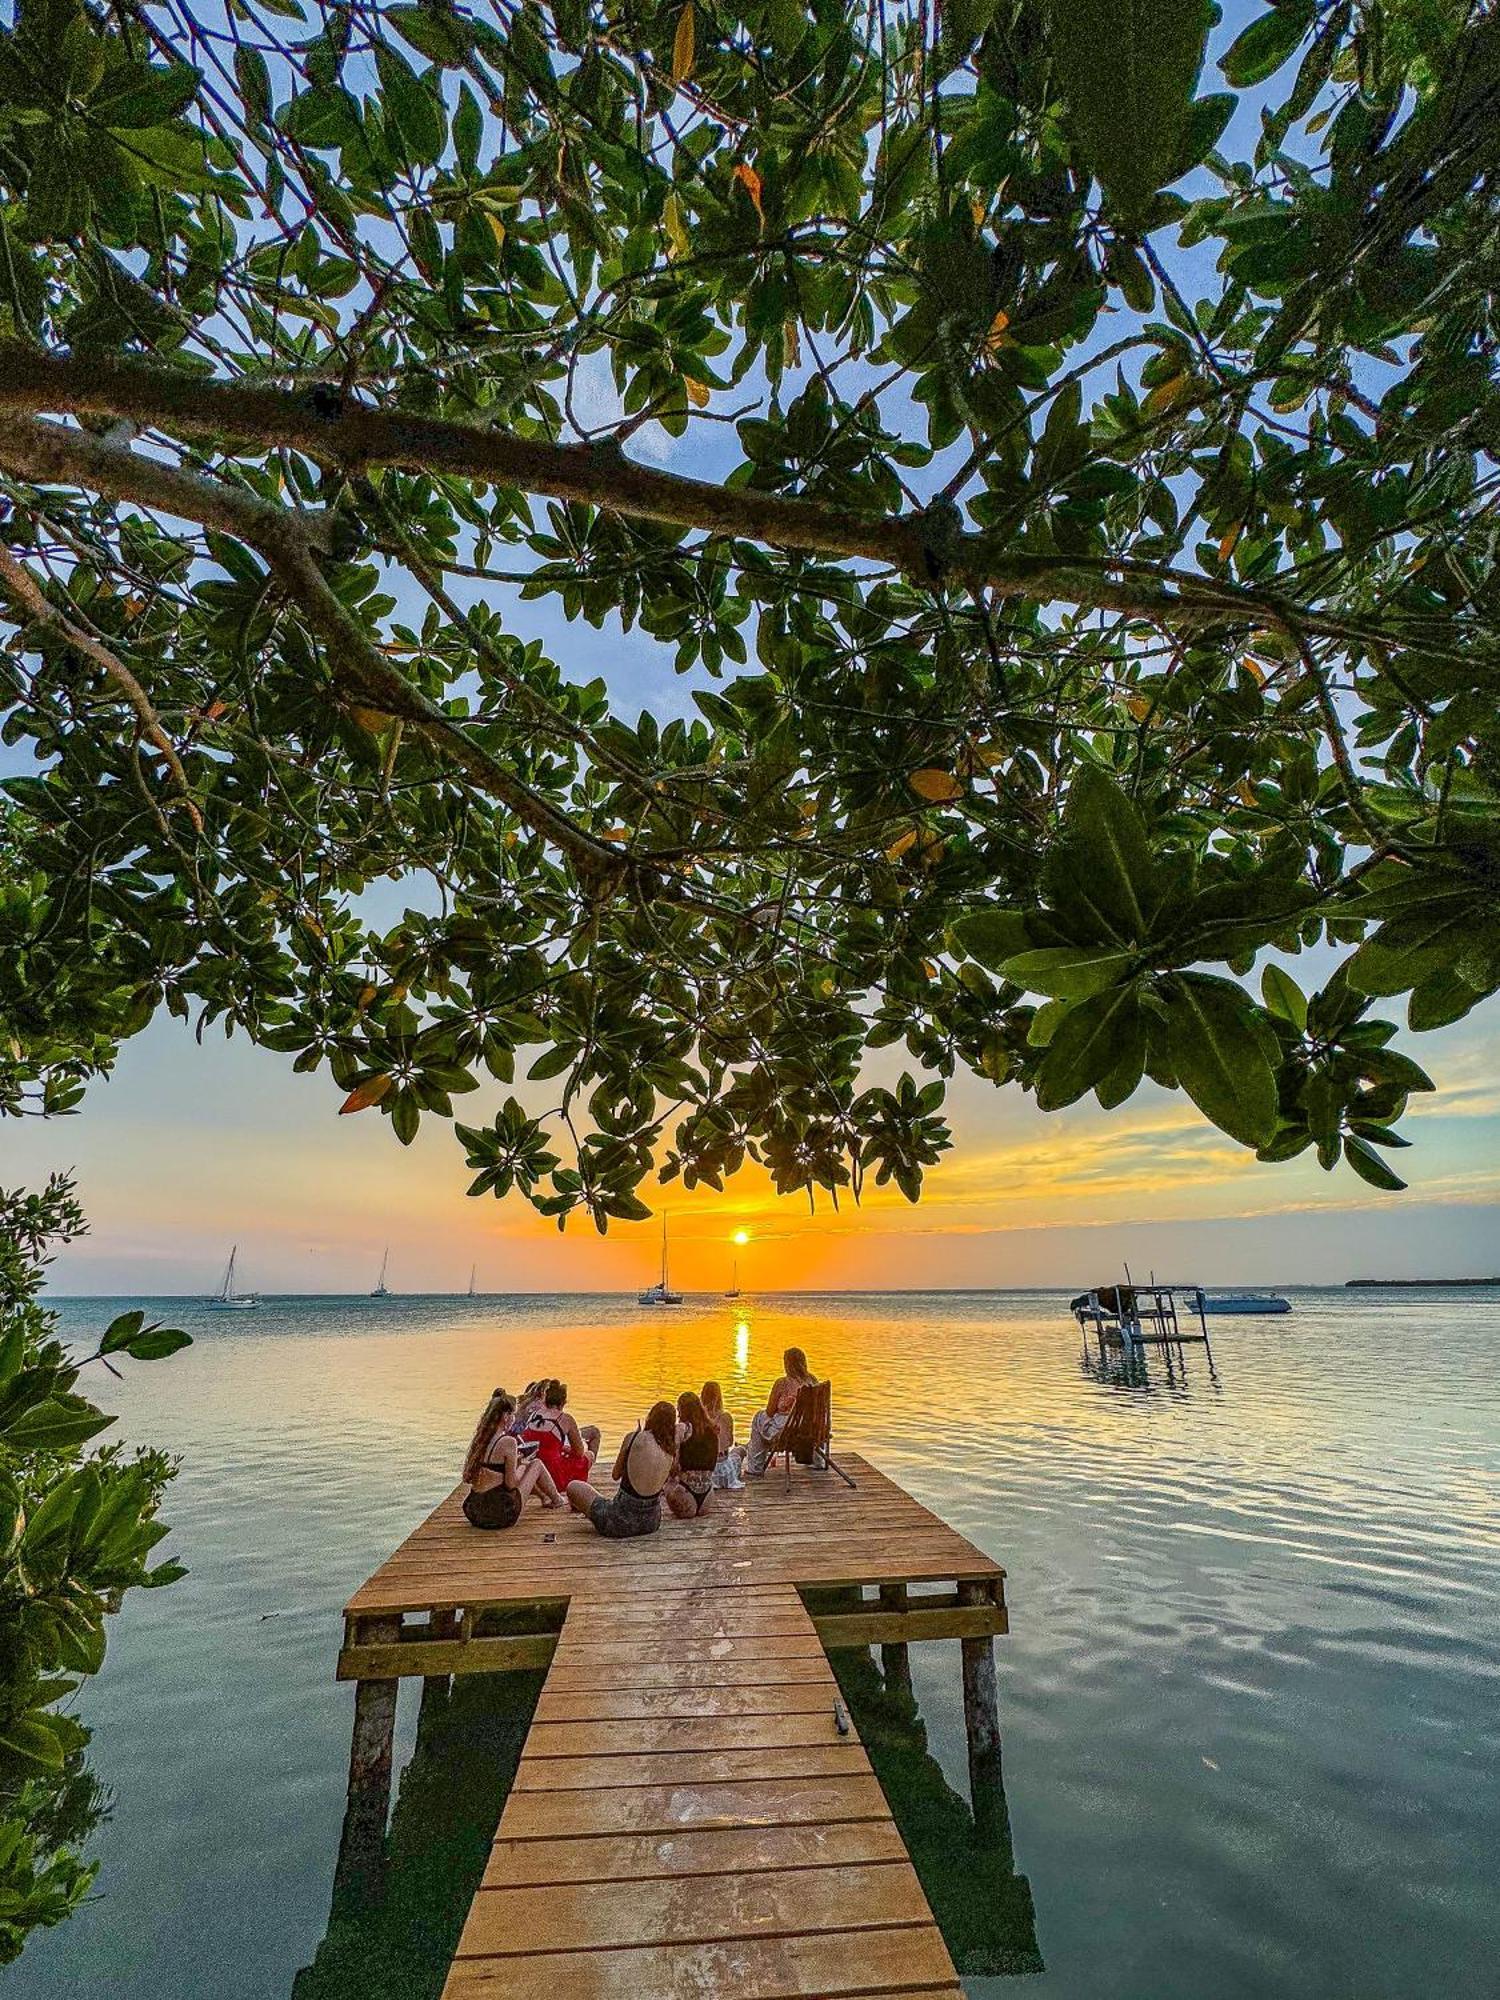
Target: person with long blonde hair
{"type": "Point", "coordinates": [768, 1424]}
{"type": "Point", "coordinates": [727, 1471]}
{"type": "Point", "coordinates": [500, 1473]}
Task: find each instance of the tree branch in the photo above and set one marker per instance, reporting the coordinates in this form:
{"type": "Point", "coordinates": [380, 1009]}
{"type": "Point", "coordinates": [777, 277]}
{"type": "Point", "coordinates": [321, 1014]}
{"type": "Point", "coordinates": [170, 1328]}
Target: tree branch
{"type": "Point", "coordinates": [23, 587]}
{"type": "Point", "coordinates": [333, 430]}
{"type": "Point", "coordinates": [48, 452]}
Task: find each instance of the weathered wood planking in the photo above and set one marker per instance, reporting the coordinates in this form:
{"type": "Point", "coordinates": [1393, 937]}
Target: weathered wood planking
{"type": "Point", "coordinates": [688, 1817]}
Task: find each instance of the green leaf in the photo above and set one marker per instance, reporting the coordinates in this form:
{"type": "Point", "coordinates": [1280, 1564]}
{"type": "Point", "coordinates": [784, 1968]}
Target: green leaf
{"type": "Point", "coordinates": [1069, 972]}
{"type": "Point", "coordinates": [992, 936]}
{"type": "Point", "coordinates": [121, 1331]}
{"type": "Point", "coordinates": [135, 95]}
{"type": "Point", "coordinates": [440, 36]}
{"type": "Point", "coordinates": [417, 111]}
{"type": "Point", "coordinates": [1100, 875]}
{"type": "Point", "coordinates": [56, 1425]}
{"type": "Point", "coordinates": [1215, 1048]}
{"type": "Point", "coordinates": [1368, 1164]}
{"type": "Point", "coordinates": [157, 1342]}
{"type": "Point", "coordinates": [32, 1738]}
{"type": "Point", "coordinates": [1268, 41]}
{"type": "Point", "coordinates": [1127, 71]}
{"type": "Point", "coordinates": [1092, 1041]}
{"type": "Point", "coordinates": [1284, 997]}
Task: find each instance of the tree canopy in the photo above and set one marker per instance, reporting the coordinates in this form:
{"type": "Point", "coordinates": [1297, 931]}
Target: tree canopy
{"type": "Point", "coordinates": [1062, 465]}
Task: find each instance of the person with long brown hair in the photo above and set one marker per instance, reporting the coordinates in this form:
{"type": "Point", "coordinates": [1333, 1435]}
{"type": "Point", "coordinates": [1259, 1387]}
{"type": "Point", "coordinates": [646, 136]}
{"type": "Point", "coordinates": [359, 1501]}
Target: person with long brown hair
{"type": "Point", "coordinates": [643, 1465]}
{"type": "Point", "coordinates": [498, 1471]}
{"type": "Point", "coordinates": [687, 1491]}
{"type": "Point", "coordinates": [768, 1424]}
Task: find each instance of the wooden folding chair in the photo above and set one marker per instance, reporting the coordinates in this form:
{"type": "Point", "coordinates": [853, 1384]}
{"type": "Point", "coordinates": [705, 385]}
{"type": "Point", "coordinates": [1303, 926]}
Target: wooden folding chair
{"type": "Point", "coordinates": [809, 1431]}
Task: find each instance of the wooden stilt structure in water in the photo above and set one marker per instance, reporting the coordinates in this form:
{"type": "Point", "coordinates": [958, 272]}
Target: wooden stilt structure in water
{"type": "Point", "coordinates": [689, 1726]}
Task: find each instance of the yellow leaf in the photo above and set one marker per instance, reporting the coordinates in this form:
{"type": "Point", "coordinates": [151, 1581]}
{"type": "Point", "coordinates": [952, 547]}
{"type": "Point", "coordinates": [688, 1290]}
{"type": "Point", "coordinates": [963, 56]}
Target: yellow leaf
{"type": "Point", "coordinates": [997, 337]}
{"type": "Point", "coordinates": [1227, 545]}
{"type": "Point", "coordinates": [616, 833]}
{"type": "Point", "coordinates": [901, 844]}
{"type": "Point", "coordinates": [679, 243]}
{"type": "Point", "coordinates": [791, 341]}
{"type": "Point", "coordinates": [697, 392]}
{"type": "Point", "coordinates": [497, 227]}
{"type": "Point", "coordinates": [938, 786]}
{"type": "Point", "coordinates": [749, 180]}
{"type": "Point", "coordinates": [1246, 792]}
{"type": "Point", "coordinates": [1255, 670]}
{"type": "Point", "coordinates": [375, 720]}
{"type": "Point", "coordinates": [366, 995]}
{"type": "Point", "coordinates": [1165, 394]}
{"type": "Point", "coordinates": [365, 1094]}
{"type": "Point", "coordinates": [1139, 706]}
{"type": "Point", "coordinates": [684, 45]}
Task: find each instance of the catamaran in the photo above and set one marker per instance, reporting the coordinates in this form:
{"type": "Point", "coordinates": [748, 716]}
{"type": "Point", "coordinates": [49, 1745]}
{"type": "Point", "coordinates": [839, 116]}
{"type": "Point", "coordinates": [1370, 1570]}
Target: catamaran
{"type": "Point", "coordinates": [382, 1289]}
{"type": "Point", "coordinates": [227, 1299]}
{"type": "Point", "coordinates": [661, 1293]}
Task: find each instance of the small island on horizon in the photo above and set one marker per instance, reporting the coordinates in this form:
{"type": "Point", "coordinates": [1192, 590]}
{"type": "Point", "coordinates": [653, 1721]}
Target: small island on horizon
{"type": "Point", "coordinates": [1366, 1284]}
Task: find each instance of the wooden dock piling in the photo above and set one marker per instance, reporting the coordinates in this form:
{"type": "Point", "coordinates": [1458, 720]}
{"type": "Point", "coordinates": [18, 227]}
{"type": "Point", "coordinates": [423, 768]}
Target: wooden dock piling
{"type": "Point", "coordinates": [687, 1815]}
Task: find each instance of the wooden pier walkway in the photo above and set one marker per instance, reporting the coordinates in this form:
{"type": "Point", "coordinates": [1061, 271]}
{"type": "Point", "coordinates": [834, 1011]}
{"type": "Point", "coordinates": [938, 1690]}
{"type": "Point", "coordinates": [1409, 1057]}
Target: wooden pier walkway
{"type": "Point", "coordinates": [693, 1812]}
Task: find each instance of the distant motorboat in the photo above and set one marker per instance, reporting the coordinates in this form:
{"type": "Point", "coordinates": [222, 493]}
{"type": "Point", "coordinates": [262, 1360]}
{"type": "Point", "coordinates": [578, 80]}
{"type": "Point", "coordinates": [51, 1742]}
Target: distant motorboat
{"type": "Point", "coordinates": [1247, 1304]}
{"type": "Point", "coordinates": [661, 1293]}
{"type": "Point", "coordinates": [382, 1290]}
{"type": "Point", "coordinates": [227, 1299]}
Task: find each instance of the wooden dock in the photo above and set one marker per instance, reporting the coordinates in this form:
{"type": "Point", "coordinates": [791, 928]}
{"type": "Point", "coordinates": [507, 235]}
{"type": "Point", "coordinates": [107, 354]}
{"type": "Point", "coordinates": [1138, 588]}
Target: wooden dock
{"type": "Point", "coordinates": [693, 1812]}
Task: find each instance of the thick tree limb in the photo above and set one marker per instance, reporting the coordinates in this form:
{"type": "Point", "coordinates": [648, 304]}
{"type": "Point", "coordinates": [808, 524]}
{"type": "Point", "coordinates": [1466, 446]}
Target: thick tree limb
{"type": "Point", "coordinates": [334, 431]}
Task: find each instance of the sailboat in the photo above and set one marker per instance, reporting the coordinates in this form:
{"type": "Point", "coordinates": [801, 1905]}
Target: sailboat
{"type": "Point", "coordinates": [734, 1285]}
{"type": "Point", "coordinates": [661, 1293]}
{"type": "Point", "coordinates": [473, 1272]}
{"type": "Point", "coordinates": [227, 1299]}
{"type": "Point", "coordinates": [382, 1289]}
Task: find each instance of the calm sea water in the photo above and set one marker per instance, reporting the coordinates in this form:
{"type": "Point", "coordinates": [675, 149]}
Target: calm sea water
{"type": "Point", "coordinates": [1249, 1695]}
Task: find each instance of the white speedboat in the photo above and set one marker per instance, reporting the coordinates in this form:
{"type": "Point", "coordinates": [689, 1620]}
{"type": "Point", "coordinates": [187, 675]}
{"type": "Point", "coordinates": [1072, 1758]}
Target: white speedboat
{"type": "Point", "coordinates": [661, 1293]}
{"type": "Point", "coordinates": [226, 1298]}
{"type": "Point", "coordinates": [1247, 1304]}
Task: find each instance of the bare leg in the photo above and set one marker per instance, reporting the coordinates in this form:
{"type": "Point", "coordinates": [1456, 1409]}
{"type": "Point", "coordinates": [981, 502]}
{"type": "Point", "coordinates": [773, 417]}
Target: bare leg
{"type": "Point", "coordinates": [581, 1496]}
{"type": "Point", "coordinates": [679, 1500]}
{"type": "Point", "coordinates": [546, 1486]}
{"type": "Point", "coordinates": [592, 1436]}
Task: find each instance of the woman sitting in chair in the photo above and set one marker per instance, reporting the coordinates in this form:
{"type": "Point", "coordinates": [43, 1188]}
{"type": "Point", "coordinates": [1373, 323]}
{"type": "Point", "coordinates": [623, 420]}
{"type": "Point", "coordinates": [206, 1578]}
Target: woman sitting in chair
{"type": "Point", "coordinates": [500, 1475]}
{"type": "Point", "coordinates": [768, 1424]}
{"type": "Point", "coordinates": [643, 1465]}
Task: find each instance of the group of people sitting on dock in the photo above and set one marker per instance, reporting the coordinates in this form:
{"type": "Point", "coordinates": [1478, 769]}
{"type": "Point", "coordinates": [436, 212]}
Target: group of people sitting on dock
{"type": "Point", "coordinates": [530, 1446]}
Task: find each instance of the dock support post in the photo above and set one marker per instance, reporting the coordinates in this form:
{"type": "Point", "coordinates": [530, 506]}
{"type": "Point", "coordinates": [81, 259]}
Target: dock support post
{"type": "Point", "coordinates": [895, 1660]}
{"type": "Point", "coordinates": [362, 1842]}
{"type": "Point", "coordinates": [982, 1717]}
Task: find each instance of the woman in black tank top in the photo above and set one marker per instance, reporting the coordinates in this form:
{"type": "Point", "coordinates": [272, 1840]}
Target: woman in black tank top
{"type": "Point", "coordinates": [697, 1455]}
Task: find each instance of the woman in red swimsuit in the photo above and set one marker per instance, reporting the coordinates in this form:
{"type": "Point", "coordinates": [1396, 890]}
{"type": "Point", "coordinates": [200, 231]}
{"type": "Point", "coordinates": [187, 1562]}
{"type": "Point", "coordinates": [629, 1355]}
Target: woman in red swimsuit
{"type": "Point", "coordinates": [567, 1451]}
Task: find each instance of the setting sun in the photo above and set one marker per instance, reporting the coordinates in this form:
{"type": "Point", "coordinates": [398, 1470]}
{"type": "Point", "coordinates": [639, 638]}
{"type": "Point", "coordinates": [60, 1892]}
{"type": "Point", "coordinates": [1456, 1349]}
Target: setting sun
{"type": "Point", "coordinates": [742, 1236]}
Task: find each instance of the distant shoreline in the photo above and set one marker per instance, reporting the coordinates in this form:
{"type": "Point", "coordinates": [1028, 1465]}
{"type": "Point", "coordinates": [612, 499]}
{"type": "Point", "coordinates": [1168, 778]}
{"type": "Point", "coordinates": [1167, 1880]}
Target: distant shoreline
{"type": "Point", "coordinates": [1403, 1284]}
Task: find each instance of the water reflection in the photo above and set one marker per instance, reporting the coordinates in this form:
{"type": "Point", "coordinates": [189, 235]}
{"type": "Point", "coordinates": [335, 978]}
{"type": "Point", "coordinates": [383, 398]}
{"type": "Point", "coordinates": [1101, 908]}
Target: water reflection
{"type": "Point", "coordinates": [392, 1933]}
{"type": "Point", "coordinates": [962, 1851]}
